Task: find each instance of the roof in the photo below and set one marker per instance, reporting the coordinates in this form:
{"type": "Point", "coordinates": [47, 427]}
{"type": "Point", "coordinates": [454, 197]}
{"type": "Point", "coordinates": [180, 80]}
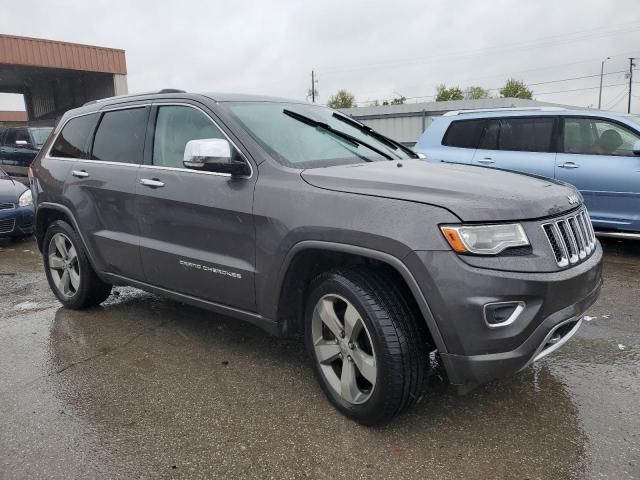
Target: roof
{"type": "Point", "coordinates": [38, 52]}
{"type": "Point", "coordinates": [438, 108]}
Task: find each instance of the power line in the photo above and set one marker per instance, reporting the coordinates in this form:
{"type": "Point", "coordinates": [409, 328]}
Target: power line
{"type": "Point", "coordinates": [542, 41]}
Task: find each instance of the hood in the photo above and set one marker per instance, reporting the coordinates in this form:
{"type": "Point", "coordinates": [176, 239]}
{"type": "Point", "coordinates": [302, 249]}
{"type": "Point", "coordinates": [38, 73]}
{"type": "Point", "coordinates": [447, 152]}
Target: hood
{"type": "Point", "coordinates": [10, 190]}
{"type": "Point", "coordinates": [474, 194]}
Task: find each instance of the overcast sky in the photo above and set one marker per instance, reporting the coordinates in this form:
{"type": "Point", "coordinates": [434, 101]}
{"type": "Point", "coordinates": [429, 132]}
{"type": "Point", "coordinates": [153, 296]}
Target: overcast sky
{"type": "Point", "coordinates": [375, 49]}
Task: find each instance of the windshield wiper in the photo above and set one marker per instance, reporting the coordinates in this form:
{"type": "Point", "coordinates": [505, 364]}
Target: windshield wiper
{"type": "Point", "coordinates": [371, 132]}
{"type": "Point", "coordinates": [325, 126]}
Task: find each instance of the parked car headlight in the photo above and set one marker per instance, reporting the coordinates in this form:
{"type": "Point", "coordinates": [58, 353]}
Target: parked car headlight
{"type": "Point", "coordinates": [484, 239]}
{"type": "Point", "coordinates": [26, 199]}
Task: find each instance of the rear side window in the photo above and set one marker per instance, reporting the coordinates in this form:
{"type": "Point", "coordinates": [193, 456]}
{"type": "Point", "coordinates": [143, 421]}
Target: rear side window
{"type": "Point", "coordinates": [120, 136]}
{"type": "Point", "coordinates": [73, 141]}
{"type": "Point", "coordinates": [463, 134]}
{"type": "Point", "coordinates": [523, 134]}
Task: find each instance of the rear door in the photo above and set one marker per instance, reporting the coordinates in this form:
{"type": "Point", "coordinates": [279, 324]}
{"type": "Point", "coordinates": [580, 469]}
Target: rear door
{"type": "Point", "coordinates": [521, 144]}
{"type": "Point", "coordinates": [596, 157]}
{"type": "Point", "coordinates": [197, 229]}
{"type": "Point", "coordinates": [102, 188]}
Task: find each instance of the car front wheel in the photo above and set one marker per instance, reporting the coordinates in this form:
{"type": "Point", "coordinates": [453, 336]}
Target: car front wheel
{"type": "Point", "coordinates": [368, 343]}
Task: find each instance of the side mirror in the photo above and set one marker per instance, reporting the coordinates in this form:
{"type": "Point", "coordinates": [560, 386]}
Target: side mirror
{"type": "Point", "coordinates": [213, 155]}
{"type": "Point", "coordinates": [21, 143]}
{"type": "Point", "coordinates": [636, 148]}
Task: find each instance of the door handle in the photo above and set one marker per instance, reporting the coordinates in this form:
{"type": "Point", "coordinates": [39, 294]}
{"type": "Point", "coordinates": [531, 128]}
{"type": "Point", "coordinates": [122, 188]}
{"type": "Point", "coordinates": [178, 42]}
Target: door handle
{"type": "Point", "coordinates": [569, 165]}
{"type": "Point", "coordinates": [151, 182]}
{"type": "Point", "coordinates": [486, 160]}
{"type": "Point", "coordinates": [79, 173]}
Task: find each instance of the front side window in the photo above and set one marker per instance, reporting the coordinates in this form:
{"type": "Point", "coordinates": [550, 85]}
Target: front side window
{"type": "Point", "coordinates": [463, 134]}
{"type": "Point", "coordinates": [73, 140]}
{"type": "Point", "coordinates": [175, 126]}
{"type": "Point", "coordinates": [120, 136]}
{"type": "Point", "coordinates": [595, 136]}
{"type": "Point", "coordinates": [305, 143]}
{"type": "Point", "coordinates": [523, 134]}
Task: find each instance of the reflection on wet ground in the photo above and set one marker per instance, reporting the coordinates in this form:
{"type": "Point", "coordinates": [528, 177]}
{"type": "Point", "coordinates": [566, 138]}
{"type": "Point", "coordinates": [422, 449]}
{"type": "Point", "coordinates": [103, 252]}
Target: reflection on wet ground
{"type": "Point", "coordinates": [147, 387]}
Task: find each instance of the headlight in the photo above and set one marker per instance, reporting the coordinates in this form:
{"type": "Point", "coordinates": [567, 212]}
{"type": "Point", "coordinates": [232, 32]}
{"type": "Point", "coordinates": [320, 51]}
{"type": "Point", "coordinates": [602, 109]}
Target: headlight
{"type": "Point", "coordinates": [484, 239]}
{"type": "Point", "coordinates": [25, 199]}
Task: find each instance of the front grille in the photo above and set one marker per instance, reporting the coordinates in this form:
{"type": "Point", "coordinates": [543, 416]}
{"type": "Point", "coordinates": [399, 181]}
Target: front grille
{"type": "Point", "coordinates": [6, 206]}
{"type": "Point", "coordinates": [571, 237]}
{"type": "Point", "coordinates": [6, 226]}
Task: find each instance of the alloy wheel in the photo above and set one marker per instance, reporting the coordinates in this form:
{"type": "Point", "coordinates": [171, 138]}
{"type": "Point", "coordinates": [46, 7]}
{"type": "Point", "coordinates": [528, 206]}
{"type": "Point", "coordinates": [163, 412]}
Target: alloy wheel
{"type": "Point", "coordinates": [64, 265]}
{"type": "Point", "coordinates": [344, 349]}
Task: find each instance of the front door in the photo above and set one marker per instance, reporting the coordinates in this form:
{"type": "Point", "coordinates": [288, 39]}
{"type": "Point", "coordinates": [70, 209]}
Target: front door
{"type": "Point", "coordinates": [521, 144]}
{"type": "Point", "coordinates": [597, 158]}
{"type": "Point", "coordinates": [197, 229]}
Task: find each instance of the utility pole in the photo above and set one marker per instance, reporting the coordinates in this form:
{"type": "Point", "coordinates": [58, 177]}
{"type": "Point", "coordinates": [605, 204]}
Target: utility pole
{"type": "Point", "coordinates": [601, 75]}
{"type": "Point", "coordinates": [631, 65]}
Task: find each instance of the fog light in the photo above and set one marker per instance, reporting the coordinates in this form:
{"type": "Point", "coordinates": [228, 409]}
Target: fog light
{"type": "Point", "coordinates": [501, 314]}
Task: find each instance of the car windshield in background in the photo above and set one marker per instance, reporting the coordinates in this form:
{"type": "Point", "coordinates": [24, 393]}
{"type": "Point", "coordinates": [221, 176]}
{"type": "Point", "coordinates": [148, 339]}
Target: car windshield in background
{"type": "Point", "coordinates": [308, 136]}
{"type": "Point", "coordinates": [40, 134]}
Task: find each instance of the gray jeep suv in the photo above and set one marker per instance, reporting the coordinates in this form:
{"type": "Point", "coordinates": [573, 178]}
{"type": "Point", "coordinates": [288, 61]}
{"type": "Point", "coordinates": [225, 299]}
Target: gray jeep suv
{"type": "Point", "coordinates": [302, 221]}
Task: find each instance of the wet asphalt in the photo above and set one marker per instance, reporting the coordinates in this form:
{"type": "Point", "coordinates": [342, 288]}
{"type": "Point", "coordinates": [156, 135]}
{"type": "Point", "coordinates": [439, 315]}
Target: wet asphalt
{"type": "Point", "coordinates": [144, 387]}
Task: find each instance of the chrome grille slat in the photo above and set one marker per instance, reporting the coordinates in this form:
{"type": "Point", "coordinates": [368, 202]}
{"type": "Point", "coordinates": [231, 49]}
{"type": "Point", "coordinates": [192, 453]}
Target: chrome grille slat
{"type": "Point", "coordinates": [6, 206]}
{"type": "Point", "coordinates": [571, 237]}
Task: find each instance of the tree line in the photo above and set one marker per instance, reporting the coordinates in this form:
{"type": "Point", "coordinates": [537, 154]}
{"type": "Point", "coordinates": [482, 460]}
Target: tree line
{"type": "Point", "coordinates": [512, 89]}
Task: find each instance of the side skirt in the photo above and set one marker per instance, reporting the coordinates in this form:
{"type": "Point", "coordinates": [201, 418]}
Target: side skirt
{"type": "Point", "coordinates": [251, 317]}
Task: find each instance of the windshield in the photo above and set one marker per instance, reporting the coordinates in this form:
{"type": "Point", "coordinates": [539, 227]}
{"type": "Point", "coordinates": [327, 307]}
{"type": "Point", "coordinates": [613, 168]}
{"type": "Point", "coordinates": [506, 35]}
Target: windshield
{"type": "Point", "coordinates": [299, 144]}
{"type": "Point", "coordinates": [40, 134]}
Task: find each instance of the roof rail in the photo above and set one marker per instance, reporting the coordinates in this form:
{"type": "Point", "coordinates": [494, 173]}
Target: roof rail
{"type": "Point", "coordinates": [503, 109]}
{"type": "Point", "coordinates": [164, 90]}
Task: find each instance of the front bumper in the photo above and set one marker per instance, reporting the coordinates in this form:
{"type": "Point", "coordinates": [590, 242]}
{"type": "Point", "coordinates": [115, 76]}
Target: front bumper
{"type": "Point", "coordinates": [476, 353]}
{"type": "Point", "coordinates": [16, 222]}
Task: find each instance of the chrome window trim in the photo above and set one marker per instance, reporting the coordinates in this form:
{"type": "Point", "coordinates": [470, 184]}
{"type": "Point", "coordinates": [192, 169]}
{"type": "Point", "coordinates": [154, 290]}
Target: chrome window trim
{"type": "Point", "coordinates": [154, 167]}
{"type": "Point", "coordinates": [95, 112]}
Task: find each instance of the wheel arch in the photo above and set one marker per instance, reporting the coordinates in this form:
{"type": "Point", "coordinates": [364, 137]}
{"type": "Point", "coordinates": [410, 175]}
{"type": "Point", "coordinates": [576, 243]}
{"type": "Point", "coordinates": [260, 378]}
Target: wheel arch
{"type": "Point", "coordinates": [48, 212]}
{"type": "Point", "coordinates": [307, 259]}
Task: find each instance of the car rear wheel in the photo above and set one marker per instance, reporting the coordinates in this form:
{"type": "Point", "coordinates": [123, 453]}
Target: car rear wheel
{"type": "Point", "coordinates": [368, 343]}
{"type": "Point", "coordinates": [68, 271]}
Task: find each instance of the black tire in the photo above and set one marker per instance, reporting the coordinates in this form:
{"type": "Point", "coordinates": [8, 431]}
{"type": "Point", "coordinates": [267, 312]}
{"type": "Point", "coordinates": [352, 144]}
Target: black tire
{"type": "Point", "coordinates": [398, 334]}
{"type": "Point", "coordinates": [91, 290]}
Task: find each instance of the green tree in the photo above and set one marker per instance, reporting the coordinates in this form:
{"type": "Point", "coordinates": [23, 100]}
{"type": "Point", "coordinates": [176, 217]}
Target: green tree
{"type": "Point", "coordinates": [398, 101]}
{"type": "Point", "coordinates": [342, 99]}
{"type": "Point", "coordinates": [443, 93]}
{"type": "Point", "coordinates": [475, 93]}
{"type": "Point", "coordinates": [515, 89]}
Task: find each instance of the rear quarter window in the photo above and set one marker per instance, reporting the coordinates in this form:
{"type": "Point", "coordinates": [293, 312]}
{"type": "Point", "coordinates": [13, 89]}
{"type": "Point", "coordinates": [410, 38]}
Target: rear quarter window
{"type": "Point", "coordinates": [463, 134]}
{"type": "Point", "coordinates": [73, 140]}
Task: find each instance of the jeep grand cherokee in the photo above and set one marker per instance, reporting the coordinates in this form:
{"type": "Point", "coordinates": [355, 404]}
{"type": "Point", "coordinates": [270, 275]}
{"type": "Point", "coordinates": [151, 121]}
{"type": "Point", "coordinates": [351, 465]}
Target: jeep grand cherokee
{"type": "Point", "coordinates": [302, 221]}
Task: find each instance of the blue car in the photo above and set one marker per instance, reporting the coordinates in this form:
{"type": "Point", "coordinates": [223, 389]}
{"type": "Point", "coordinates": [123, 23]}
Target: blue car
{"type": "Point", "coordinates": [597, 152]}
{"type": "Point", "coordinates": [16, 208]}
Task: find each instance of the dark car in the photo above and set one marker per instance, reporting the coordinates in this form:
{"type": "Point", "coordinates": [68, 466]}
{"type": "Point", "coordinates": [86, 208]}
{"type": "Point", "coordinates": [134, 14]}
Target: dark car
{"type": "Point", "coordinates": [302, 221]}
{"type": "Point", "coordinates": [16, 208]}
{"type": "Point", "coordinates": [19, 146]}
